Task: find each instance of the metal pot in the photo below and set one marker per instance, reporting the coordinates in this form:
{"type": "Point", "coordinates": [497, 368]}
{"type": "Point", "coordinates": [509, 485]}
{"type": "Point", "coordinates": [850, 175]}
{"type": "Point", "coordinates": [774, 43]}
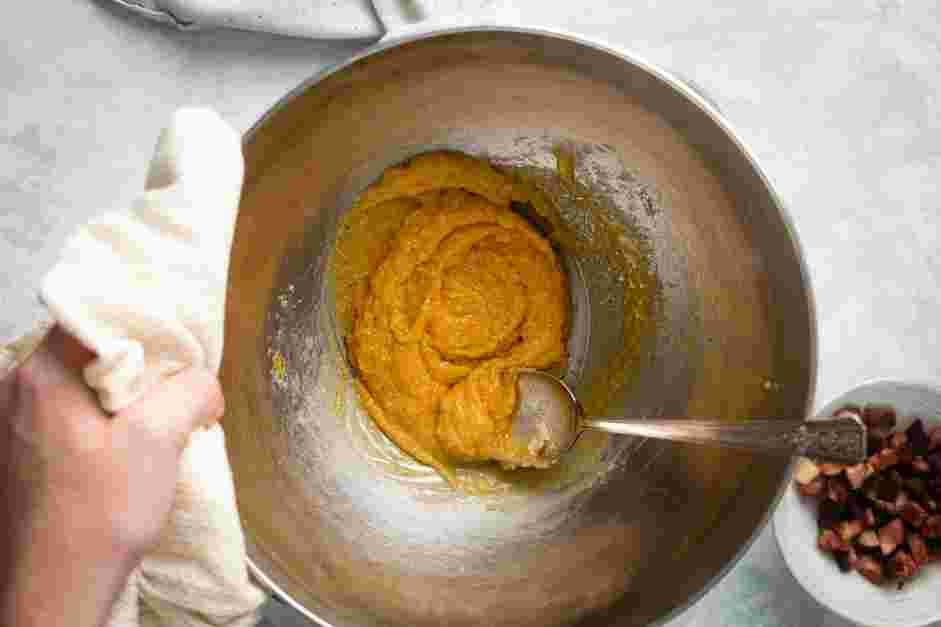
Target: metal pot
{"type": "Point", "coordinates": [345, 543]}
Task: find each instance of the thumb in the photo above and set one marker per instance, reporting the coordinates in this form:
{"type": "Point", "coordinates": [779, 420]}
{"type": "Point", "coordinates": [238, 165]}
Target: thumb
{"type": "Point", "coordinates": [179, 405]}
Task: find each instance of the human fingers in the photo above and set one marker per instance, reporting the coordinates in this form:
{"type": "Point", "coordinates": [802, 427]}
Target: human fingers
{"type": "Point", "coordinates": [71, 352]}
{"type": "Point", "coordinates": [179, 405]}
{"type": "Point", "coordinates": [51, 379]}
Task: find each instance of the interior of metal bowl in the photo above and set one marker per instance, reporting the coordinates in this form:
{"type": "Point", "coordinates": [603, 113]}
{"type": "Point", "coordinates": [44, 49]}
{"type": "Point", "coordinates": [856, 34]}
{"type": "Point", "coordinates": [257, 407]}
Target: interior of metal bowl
{"type": "Point", "coordinates": [350, 544]}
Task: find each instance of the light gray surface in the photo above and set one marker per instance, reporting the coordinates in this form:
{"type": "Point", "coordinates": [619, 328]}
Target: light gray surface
{"type": "Point", "coordinates": [838, 99]}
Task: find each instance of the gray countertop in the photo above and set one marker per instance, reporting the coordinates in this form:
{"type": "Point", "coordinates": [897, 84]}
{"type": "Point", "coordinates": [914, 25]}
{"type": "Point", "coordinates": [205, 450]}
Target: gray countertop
{"type": "Point", "coordinates": [839, 100]}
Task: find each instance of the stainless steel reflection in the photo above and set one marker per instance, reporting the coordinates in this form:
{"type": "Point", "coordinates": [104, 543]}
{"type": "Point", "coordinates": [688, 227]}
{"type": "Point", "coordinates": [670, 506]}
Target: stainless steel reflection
{"type": "Point", "coordinates": [350, 544]}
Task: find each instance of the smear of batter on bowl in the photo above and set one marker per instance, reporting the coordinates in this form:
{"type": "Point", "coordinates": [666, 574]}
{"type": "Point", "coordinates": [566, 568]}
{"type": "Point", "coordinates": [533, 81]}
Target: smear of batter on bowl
{"type": "Point", "coordinates": [465, 292]}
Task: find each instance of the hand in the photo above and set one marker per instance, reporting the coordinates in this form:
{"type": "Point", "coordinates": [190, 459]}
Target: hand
{"type": "Point", "coordinates": [85, 494]}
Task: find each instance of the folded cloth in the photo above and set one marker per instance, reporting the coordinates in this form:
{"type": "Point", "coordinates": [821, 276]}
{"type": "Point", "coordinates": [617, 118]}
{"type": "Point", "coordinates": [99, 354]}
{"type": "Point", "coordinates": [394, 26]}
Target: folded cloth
{"type": "Point", "coordinates": [319, 19]}
{"type": "Point", "coordinates": [324, 19]}
{"type": "Point", "coordinates": [145, 290]}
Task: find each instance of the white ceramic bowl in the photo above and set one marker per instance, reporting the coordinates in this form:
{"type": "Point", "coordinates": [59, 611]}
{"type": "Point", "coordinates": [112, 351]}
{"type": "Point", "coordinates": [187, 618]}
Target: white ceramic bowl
{"type": "Point", "coordinates": [918, 603]}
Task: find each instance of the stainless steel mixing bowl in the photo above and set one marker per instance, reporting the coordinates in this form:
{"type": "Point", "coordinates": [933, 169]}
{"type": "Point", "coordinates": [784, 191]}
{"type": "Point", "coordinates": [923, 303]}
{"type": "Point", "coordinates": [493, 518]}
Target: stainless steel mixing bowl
{"type": "Point", "coordinates": [350, 544]}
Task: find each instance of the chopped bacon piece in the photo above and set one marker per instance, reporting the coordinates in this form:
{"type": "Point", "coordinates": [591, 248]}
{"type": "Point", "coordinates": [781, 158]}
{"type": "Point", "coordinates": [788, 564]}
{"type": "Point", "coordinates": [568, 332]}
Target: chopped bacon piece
{"type": "Point", "coordinates": [913, 513]}
{"type": "Point", "coordinates": [918, 438]}
{"type": "Point", "coordinates": [902, 565]}
{"type": "Point", "coordinates": [830, 542]}
{"type": "Point", "coordinates": [849, 529]}
{"type": "Point", "coordinates": [814, 488]}
{"type": "Point", "coordinates": [935, 437]}
{"type": "Point", "coordinates": [838, 489]}
{"type": "Point", "coordinates": [858, 474]}
{"type": "Point", "coordinates": [931, 527]}
{"type": "Point", "coordinates": [879, 417]}
{"type": "Point", "coordinates": [891, 535]}
{"type": "Point", "coordinates": [869, 539]}
{"type": "Point", "coordinates": [898, 440]}
{"type": "Point", "coordinates": [832, 470]}
{"type": "Point", "coordinates": [869, 568]}
{"type": "Point", "coordinates": [918, 548]}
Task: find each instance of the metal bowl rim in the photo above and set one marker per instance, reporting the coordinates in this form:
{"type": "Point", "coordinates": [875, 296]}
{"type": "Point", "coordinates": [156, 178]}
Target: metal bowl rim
{"type": "Point", "coordinates": [705, 107]}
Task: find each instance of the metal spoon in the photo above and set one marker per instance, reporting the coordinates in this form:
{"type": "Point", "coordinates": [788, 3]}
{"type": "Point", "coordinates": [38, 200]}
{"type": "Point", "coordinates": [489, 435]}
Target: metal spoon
{"type": "Point", "coordinates": [549, 419]}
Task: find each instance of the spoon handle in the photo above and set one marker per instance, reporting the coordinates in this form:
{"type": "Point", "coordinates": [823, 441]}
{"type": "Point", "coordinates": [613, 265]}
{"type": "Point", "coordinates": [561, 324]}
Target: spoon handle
{"type": "Point", "coordinates": [836, 440]}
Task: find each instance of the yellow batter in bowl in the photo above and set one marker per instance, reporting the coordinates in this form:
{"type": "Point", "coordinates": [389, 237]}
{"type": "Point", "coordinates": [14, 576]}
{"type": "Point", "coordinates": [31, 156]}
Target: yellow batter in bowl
{"type": "Point", "coordinates": [465, 292]}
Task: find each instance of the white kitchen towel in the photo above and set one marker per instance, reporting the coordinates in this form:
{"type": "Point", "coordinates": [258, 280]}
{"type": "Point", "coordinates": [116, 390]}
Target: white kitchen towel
{"type": "Point", "coordinates": [319, 19]}
{"type": "Point", "coordinates": [324, 19]}
{"type": "Point", "coordinates": [145, 290]}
